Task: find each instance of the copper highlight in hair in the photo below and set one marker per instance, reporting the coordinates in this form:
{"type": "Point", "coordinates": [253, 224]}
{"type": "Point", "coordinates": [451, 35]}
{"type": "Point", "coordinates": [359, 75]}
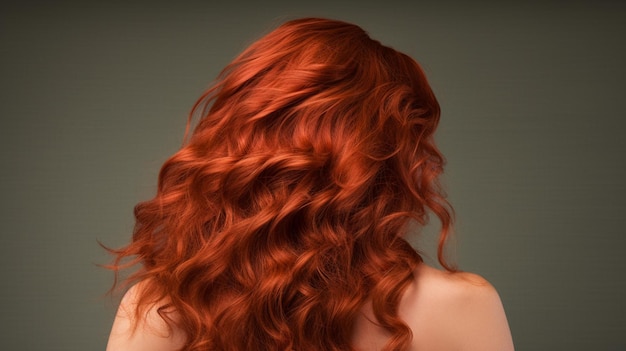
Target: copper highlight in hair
{"type": "Point", "coordinates": [285, 209]}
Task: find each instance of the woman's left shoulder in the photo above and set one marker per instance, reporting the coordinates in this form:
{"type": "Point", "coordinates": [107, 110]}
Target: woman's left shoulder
{"type": "Point", "coordinates": [147, 331]}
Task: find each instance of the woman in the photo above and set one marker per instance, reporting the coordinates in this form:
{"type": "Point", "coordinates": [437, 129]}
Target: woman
{"type": "Point", "coordinates": [279, 224]}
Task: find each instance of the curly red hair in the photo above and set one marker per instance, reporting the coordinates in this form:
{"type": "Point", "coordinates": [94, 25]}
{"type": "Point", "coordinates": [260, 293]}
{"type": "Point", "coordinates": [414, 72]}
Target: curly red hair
{"type": "Point", "coordinates": [285, 209]}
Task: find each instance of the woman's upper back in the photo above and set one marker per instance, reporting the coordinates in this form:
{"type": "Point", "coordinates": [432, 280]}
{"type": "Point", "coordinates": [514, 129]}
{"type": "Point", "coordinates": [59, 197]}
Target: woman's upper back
{"type": "Point", "coordinates": [445, 311]}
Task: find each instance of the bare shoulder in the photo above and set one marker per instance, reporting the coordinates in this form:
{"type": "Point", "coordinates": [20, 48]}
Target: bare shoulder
{"type": "Point", "coordinates": [460, 311]}
{"type": "Point", "coordinates": [148, 332]}
{"type": "Point", "coordinates": [456, 288]}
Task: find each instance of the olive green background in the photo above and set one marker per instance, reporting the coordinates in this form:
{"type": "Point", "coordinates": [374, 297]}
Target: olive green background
{"type": "Point", "coordinates": [94, 97]}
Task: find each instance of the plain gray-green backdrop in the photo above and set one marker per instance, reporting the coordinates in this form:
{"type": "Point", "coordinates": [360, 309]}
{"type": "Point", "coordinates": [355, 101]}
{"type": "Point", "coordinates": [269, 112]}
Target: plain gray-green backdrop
{"type": "Point", "coordinates": [94, 97]}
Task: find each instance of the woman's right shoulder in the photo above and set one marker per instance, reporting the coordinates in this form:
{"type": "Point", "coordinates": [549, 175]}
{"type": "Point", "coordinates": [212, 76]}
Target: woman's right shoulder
{"type": "Point", "coordinates": [459, 311]}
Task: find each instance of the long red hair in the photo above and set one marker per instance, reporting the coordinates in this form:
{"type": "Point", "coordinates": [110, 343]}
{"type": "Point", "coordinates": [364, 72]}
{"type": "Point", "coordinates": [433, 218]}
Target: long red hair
{"type": "Point", "coordinates": [285, 209]}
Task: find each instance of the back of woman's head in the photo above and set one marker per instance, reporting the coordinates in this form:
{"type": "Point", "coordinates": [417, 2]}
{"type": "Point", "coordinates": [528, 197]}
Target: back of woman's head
{"type": "Point", "coordinates": [284, 212]}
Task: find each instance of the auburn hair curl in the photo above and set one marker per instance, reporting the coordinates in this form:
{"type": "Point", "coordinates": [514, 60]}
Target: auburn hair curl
{"type": "Point", "coordinates": [285, 209]}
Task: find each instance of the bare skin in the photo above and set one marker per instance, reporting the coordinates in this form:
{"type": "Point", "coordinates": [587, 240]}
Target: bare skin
{"type": "Point", "coordinates": [445, 311]}
{"type": "Point", "coordinates": [151, 334]}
